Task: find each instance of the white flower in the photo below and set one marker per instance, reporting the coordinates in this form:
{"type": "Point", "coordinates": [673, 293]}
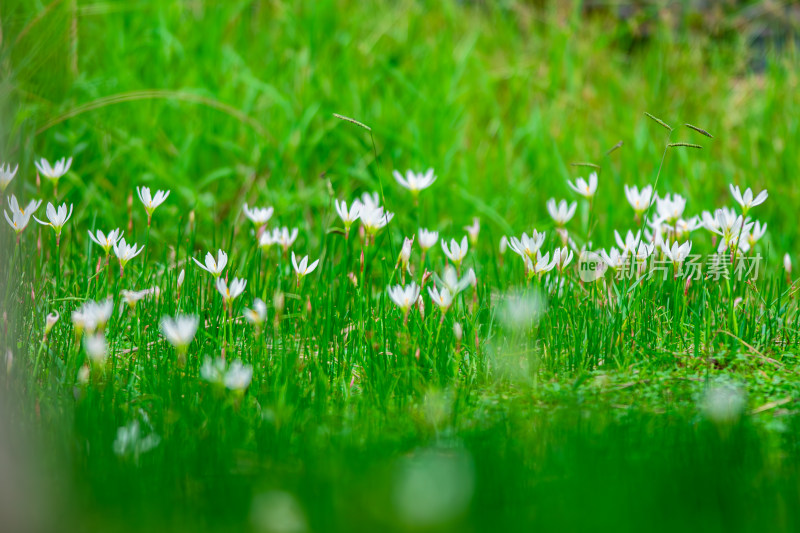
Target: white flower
{"type": "Point", "coordinates": [539, 264]}
{"type": "Point", "coordinates": [670, 207]}
{"type": "Point", "coordinates": [583, 188]}
{"type": "Point", "coordinates": [443, 298]}
{"type": "Point", "coordinates": [106, 242]}
{"type": "Point", "coordinates": [131, 442]}
{"type": "Point", "coordinates": [370, 201]}
{"type": "Point", "coordinates": [473, 230]}
{"type": "Point", "coordinates": [503, 245]}
{"type": "Point", "coordinates": [644, 251]}
{"type": "Point", "coordinates": [92, 315]}
{"type": "Point", "coordinates": [53, 172]}
{"type": "Point", "coordinates": [631, 241]}
{"type": "Point", "coordinates": [374, 218]}
{"type": "Point", "coordinates": [229, 293]}
{"type": "Point", "coordinates": [562, 257]}
{"type": "Point", "coordinates": [125, 252]}
{"type": "Point", "coordinates": [286, 238]}
{"type": "Point", "coordinates": [51, 321]}
{"type": "Point", "coordinates": [238, 376]}
{"type": "Point", "coordinates": [456, 252]}
{"type": "Point", "coordinates": [214, 267]}
{"type": "Point", "coordinates": [561, 213]}
{"type": "Point", "coordinates": [678, 253]}
{"type": "Point", "coordinates": [56, 218]}
{"type": "Point", "coordinates": [639, 200]}
{"type": "Point", "coordinates": [180, 331]}
{"type": "Point", "coordinates": [614, 258]}
{"type": "Point", "coordinates": [348, 216]}
{"type": "Point", "coordinates": [415, 182]}
{"type": "Point", "coordinates": [527, 246]}
{"type": "Point", "coordinates": [450, 280]}
{"type": "Point", "coordinates": [757, 232]}
{"type": "Point", "coordinates": [6, 175]}
{"type": "Point", "coordinates": [404, 297]}
{"type": "Point", "coordinates": [181, 276]}
{"type": "Point", "coordinates": [258, 314]}
{"type": "Point", "coordinates": [427, 239]}
{"type": "Point", "coordinates": [20, 217]}
{"type": "Point", "coordinates": [258, 215]}
{"type": "Point", "coordinates": [747, 200]}
{"type": "Point", "coordinates": [728, 224]}
{"type": "Point", "coordinates": [303, 268]}
{"type": "Point", "coordinates": [133, 297]}
{"type": "Point", "coordinates": [151, 202]}
{"type": "Point", "coordinates": [684, 227]}
{"type": "Point", "coordinates": [405, 251]}
{"type": "Point", "coordinates": [269, 238]}
{"type": "Point", "coordinates": [96, 348]}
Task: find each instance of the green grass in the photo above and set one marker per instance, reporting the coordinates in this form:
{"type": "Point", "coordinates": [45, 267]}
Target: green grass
{"type": "Point", "coordinates": [591, 412]}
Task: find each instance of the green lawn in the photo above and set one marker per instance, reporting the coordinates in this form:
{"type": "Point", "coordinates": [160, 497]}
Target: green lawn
{"type": "Point", "coordinates": [547, 402]}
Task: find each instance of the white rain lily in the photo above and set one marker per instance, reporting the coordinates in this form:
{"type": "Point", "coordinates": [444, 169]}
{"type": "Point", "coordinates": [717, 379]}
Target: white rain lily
{"type": "Point", "coordinates": [614, 258]}
{"type": "Point", "coordinates": [404, 297]}
{"type": "Point", "coordinates": [258, 314]}
{"type": "Point", "coordinates": [374, 218]}
{"type": "Point", "coordinates": [20, 217]}
{"type": "Point", "coordinates": [427, 239]}
{"type": "Point", "coordinates": [442, 298]}
{"type": "Point", "coordinates": [456, 252]}
{"type": "Point", "coordinates": [106, 242]}
{"type": "Point", "coordinates": [180, 331]}
{"type": "Point", "coordinates": [149, 201]}
{"type": "Point", "coordinates": [415, 182]}
{"type": "Point", "coordinates": [630, 242]}
{"type": "Point", "coordinates": [258, 215]}
{"type": "Point", "coordinates": [133, 297]}
{"type": "Point", "coordinates": [370, 201]}
{"type": "Point", "coordinates": [285, 237]}
{"type": "Point", "coordinates": [125, 252]}
{"type": "Point", "coordinates": [539, 264]}
{"type": "Point", "coordinates": [96, 348]}
{"type": "Point", "coordinates": [238, 376]}
{"type": "Point", "coordinates": [583, 187]}
{"type": "Point", "coordinates": [303, 268]}
{"type": "Point", "coordinates": [728, 224]}
{"type": "Point", "coordinates": [684, 227]}
{"type": "Point", "coordinates": [473, 230]}
{"type": "Point", "coordinates": [670, 208]}
{"type": "Point", "coordinates": [450, 280]}
{"type": "Point", "coordinates": [131, 442]}
{"type": "Point", "coordinates": [756, 233]}
{"type": "Point", "coordinates": [746, 199]}
{"type": "Point", "coordinates": [51, 321]}
{"type": "Point", "coordinates": [232, 291]}
{"type": "Point", "coordinates": [643, 251]}
{"type": "Point", "coordinates": [562, 257]}
{"type": "Point", "coordinates": [348, 216]}
{"type": "Point", "coordinates": [527, 246]}
{"type": "Point", "coordinates": [212, 266]}
{"type": "Point", "coordinates": [639, 200]}
{"type": "Point", "coordinates": [268, 239]}
{"type": "Point", "coordinates": [6, 175]}
{"type": "Point", "coordinates": [56, 217]}
{"type": "Point", "coordinates": [92, 315]}
{"type": "Point", "coordinates": [503, 245]}
{"type": "Point", "coordinates": [562, 212]}
{"type": "Point", "coordinates": [405, 253]}
{"type": "Point", "coordinates": [53, 172]}
{"type": "Point", "coordinates": [677, 253]}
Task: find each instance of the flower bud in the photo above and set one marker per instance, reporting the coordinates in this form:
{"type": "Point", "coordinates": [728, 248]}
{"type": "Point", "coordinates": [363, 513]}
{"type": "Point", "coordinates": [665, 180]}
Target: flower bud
{"type": "Point", "coordinates": [503, 244]}
{"type": "Point", "coordinates": [458, 331]}
{"type": "Point", "coordinates": [787, 263]}
{"type": "Point", "coordinates": [52, 318]}
{"type": "Point", "coordinates": [278, 302]}
{"type": "Point", "coordinates": [181, 276]}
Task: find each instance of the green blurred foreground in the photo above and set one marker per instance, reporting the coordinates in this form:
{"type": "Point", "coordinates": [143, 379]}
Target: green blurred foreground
{"type": "Point", "coordinates": [606, 407]}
